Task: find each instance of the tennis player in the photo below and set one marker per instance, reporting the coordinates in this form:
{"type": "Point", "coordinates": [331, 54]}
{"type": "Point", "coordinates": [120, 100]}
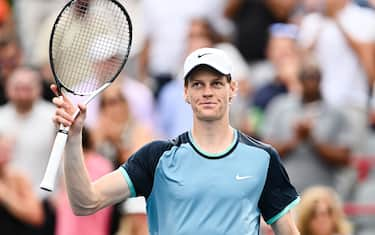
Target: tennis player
{"type": "Point", "coordinates": [211, 180]}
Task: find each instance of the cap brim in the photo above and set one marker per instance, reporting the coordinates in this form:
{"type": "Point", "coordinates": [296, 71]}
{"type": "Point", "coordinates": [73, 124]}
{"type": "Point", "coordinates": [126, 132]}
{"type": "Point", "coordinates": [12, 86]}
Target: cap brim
{"type": "Point", "coordinates": [212, 66]}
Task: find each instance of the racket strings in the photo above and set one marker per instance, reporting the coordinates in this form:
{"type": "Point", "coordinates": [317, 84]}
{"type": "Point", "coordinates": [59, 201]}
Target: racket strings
{"type": "Point", "coordinates": [91, 47]}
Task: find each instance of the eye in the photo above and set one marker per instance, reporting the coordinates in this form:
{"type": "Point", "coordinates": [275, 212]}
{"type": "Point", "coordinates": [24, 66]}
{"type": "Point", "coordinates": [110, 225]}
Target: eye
{"type": "Point", "coordinates": [196, 84]}
{"type": "Point", "coordinates": [218, 84]}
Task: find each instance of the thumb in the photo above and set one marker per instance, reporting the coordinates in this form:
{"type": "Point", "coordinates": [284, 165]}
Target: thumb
{"type": "Point", "coordinates": [82, 109]}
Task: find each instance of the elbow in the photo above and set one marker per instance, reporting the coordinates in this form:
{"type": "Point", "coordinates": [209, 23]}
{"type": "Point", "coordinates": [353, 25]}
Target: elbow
{"type": "Point", "coordinates": [79, 212]}
{"type": "Point", "coordinates": [83, 211]}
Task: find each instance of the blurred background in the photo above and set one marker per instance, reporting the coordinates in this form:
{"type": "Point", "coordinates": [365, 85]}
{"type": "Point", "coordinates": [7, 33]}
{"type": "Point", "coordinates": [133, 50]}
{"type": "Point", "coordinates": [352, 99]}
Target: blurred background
{"type": "Point", "coordinates": [305, 69]}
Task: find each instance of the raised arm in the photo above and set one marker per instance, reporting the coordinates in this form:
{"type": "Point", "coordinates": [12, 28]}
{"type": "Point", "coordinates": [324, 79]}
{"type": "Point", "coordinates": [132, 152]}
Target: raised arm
{"type": "Point", "coordinates": [85, 197]}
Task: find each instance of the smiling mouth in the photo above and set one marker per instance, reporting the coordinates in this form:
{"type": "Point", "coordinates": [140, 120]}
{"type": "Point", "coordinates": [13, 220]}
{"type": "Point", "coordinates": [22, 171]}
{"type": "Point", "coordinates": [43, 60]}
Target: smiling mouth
{"type": "Point", "coordinates": [207, 105]}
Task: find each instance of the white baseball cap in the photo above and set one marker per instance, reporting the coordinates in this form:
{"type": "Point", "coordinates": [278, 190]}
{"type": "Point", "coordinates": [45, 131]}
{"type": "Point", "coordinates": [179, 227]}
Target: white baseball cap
{"type": "Point", "coordinates": [215, 58]}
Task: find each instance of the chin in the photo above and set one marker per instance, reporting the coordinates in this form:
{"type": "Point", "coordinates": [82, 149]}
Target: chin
{"type": "Point", "coordinates": [208, 118]}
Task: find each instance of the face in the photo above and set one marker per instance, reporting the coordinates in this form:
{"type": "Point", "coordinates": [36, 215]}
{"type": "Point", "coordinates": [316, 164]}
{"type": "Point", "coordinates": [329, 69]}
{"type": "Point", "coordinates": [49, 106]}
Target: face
{"type": "Point", "coordinates": [114, 105]}
{"type": "Point", "coordinates": [310, 87]}
{"type": "Point", "coordinates": [209, 95]}
{"type": "Point", "coordinates": [9, 58]}
{"type": "Point", "coordinates": [198, 36]}
{"type": "Point", "coordinates": [322, 222]}
{"type": "Point", "coordinates": [280, 50]}
{"type": "Point", "coordinates": [23, 89]}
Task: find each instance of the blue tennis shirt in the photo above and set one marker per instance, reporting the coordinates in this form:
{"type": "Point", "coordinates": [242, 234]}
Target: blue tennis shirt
{"type": "Point", "coordinates": [190, 192]}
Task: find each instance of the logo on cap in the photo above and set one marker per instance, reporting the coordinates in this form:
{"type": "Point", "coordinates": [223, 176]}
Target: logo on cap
{"type": "Point", "coordinates": [201, 55]}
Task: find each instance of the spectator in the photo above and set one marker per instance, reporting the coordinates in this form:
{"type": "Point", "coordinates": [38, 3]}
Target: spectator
{"type": "Point", "coordinates": [252, 19]}
{"type": "Point", "coordinates": [117, 133]}
{"type": "Point", "coordinates": [10, 59]}
{"type": "Point", "coordinates": [29, 16]}
{"type": "Point", "coordinates": [321, 213]}
{"type": "Point", "coordinates": [312, 136]}
{"type": "Point", "coordinates": [98, 224]}
{"type": "Point", "coordinates": [139, 98]}
{"type": "Point", "coordinates": [343, 41]}
{"type": "Point", "coordinates": [21, 212]}
{"type": "Point", "coordinates": [27, 120]}
{"type": "Point", "coordinates": [284, 58]}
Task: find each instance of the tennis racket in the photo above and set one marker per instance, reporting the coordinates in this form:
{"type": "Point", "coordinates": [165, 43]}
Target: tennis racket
{"type": "Point", "coordinates": [89, 45]}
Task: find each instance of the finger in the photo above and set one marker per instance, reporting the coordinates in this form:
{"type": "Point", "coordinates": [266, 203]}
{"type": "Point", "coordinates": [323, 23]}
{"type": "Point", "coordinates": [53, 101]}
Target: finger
{"type": "Point", "coordinates": [63, 103]}
{"type": "Point", "coordinates": [82, 108]}
{"type": "Point", "coordinates": [58, 101]}
{"type": "Point", "coordinates": [54, 89]}
{"type": "Point", "coordinates": [59, 120]}
{"type": "Point", "coordinates": [62, 113]}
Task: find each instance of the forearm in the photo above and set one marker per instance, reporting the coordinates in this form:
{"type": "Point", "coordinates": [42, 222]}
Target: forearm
{"type": "Point", "coordinates": [82, 196]}
{"type": "Point", "coordinates": [284, 148]}
{"type": "Point", "coordinates": [86, 197]}
{"type": "Point", "coordinates": [143, 61]}
{"type": "Point", "coordinates": [333, 154]}
{"type": "Point", "coordinates": [28, 210]}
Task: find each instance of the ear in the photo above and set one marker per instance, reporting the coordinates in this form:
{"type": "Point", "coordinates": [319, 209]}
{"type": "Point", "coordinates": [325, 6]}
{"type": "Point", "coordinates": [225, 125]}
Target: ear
{"type": "Point", "coordinates": [186, 97]}
{"type": "Point", "coordinates": [233, 90]}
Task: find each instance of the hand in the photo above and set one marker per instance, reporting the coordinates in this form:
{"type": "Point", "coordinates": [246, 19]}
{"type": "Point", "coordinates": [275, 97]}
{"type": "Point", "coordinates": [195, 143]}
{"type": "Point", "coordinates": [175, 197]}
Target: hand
{"type": "Point", "coordinates": [6, 145]}
{"type": "Point", "coordinates": [303, 129]}
{"type": "Point", "coordinates": [4, 193]}
{"type": "Point", "coordinates": [65, 111]}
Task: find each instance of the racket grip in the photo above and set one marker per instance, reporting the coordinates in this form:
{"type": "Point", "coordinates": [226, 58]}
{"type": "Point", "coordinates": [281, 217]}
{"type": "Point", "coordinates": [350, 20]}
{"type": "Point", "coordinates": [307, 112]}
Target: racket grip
{"type": "Point", "coordinates": [49, 179]}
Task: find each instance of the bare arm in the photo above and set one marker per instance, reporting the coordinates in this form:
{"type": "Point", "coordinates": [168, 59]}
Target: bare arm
{"type": "Point", "coordinates": [144, 61]}
{"type": "Point", "coordinates": [283, 148]}
{"type": "Point", "coordinates": [333, 154]}
{"type": "Point", "coordinates": [20, 201]}
{"type": "Point", "coordinates": [285, 225]}
{"type": "Point", "coordinates": [85, 197]}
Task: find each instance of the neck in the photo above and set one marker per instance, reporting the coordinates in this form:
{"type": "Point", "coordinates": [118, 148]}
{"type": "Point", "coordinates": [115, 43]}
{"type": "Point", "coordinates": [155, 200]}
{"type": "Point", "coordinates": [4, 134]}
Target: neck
{"type": "Point", "coordinates": [212, 137]}
{"type": "Point", "coordinates": [311, 98]}
{"type": "Point", "coordinates": [23, 109]}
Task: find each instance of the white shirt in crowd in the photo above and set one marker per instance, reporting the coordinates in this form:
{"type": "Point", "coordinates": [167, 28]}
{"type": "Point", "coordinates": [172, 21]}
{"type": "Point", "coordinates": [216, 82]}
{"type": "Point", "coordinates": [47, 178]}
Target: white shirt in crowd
{"type": "Point", "coordinates": [166, 23]}
{"type": "Point", "coordinates": [33, 136]}
{"type": "Point", "coordinates": [344, 79]}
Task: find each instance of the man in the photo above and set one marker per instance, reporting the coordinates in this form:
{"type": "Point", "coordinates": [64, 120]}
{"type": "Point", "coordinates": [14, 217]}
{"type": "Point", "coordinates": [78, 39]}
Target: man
{"type": "Point", "coordinates": [210, 180]}
{"type": "Point", "coordinates": [343, 40]}
{"type": "Point", "coordinates": [26, 120]}
{"type": "Point", "coordinates": [310, 134]}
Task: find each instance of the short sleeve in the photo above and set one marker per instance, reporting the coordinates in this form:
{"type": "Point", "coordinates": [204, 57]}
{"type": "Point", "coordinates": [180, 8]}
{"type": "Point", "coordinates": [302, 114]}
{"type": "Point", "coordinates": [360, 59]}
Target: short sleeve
{"type": "Point", "coordinates": [139, 170]}
{"type": "Point", "coordinates": [278, 195]}
{"type": "Point", "coordinates": [359, 23]}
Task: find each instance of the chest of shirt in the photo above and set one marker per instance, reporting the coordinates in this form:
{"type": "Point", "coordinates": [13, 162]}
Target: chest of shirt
{"type": "Point", "coordinates": [186, 174]}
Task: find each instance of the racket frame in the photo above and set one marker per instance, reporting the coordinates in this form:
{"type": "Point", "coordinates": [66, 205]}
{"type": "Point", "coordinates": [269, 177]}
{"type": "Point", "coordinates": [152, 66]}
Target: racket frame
{"type": "Point", "coordinates": [49, 180]}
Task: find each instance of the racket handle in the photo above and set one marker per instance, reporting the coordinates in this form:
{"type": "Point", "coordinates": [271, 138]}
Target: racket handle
{"type": "Point", "coordinates": [50, 175]}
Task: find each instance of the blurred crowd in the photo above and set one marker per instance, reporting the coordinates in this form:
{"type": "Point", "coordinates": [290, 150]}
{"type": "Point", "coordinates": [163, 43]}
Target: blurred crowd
{"type": "Point", "coordinates": [305, 71]}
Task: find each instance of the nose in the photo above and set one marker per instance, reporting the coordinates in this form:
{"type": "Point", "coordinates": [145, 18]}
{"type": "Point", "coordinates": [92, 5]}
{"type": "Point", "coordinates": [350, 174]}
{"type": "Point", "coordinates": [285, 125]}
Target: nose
{"type": "Point", "coordinates": [207, 92]}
